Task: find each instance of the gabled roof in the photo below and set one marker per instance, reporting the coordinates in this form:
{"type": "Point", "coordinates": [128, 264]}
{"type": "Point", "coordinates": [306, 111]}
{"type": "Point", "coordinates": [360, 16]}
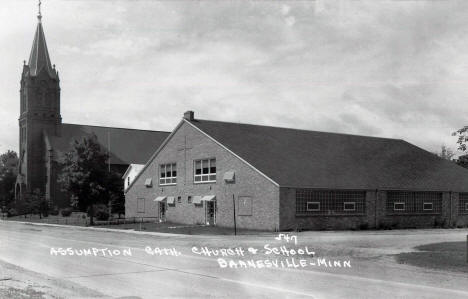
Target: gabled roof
{"type": "Point", "coordinates": [300, 158]}
{"type": "Point", "coordinates": [127, 146]}
{"type": "Point", "coordinates": [39, 58]}
{"type": "Point", "coordinates": [136, 167]}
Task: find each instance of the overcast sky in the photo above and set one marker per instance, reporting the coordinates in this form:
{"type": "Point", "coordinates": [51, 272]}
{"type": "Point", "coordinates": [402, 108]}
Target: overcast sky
{"type": "Point", "coordinates": [390, 69]}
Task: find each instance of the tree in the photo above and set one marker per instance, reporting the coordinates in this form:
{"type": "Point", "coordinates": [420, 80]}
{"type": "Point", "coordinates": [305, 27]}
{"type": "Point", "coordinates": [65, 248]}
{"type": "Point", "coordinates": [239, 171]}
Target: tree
{"type": "Point", "coordinates": [446, 153]}
{"type": "Point", "coordinates": [462, 161]}
{"type": "Point", "coordinates": [117, 198]}
{"type": "Point", "coordinates": [8, 172]}
{"type": "Point", "coordinates": [462, 141]}
{"type": "Point", "coordinates": [9, 160]}
{"type": "Point", "coordinates": [462, 137]}
{"type": "Point", "coordinates": [85, 175]}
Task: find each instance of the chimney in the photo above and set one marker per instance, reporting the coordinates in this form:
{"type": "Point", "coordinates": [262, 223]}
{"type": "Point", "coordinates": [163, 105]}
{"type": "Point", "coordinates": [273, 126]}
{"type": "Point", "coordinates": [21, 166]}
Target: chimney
{"type": "Point", "coordinates": [189, 115]}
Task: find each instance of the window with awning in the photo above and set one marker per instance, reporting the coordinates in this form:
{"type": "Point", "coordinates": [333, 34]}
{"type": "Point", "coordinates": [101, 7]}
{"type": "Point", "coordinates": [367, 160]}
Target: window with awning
{"type": "Point", "coordinates": [149, 182]}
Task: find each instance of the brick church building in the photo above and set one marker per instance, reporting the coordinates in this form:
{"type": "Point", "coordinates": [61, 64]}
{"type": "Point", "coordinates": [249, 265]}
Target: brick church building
{"type": "Point", "coordinates": [270, 178]}
{"type": "Point", "coordinates": [43, 136]}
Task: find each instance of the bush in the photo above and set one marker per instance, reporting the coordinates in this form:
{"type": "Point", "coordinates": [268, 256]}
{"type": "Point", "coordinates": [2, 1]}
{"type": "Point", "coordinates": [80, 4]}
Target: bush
{"type": "Point", "coordinates": [12, 212]}
{"type": "Point", "coordinates": [66, 212]}
{"type": "Point", "coordinates": [364, 226]}
{"type": "Point", "coordinates": [100, 212]}
{"type": "Point", "coordinates": [102, 215]}
{"type": "Point", "coordinates": [54, 211]}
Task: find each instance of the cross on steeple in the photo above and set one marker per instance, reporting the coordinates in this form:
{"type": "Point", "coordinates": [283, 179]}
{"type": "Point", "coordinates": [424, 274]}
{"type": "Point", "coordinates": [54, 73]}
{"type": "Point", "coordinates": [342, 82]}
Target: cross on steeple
{"type": "Point", "coordinates": [39, 16]}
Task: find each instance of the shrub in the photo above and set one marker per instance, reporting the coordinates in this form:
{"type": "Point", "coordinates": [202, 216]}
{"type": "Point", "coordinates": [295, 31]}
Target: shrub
{"type": "Point", "coordinates": [102, 215]}
{"type": "Point", "coordinates": [364, 226]}
{"type": "Point", "coordinates": [100, 212]}
{"type": "Point", "coordinates": [54, 211]}
{"type": "Point", "coordinates": [12, 212]}
{"type": "Point", "coordinates": [66, 212]}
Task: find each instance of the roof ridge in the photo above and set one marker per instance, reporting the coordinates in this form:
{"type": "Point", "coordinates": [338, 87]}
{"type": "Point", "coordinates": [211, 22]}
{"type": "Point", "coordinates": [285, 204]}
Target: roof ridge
{"type": "Point", "coordinates": [296, 129]}
{"type": "Point", "coordinates": [107, 127]}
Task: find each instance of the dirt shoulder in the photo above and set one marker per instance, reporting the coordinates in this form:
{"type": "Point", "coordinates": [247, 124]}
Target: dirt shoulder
{"type": "Point", "coordinates": [16, 282]}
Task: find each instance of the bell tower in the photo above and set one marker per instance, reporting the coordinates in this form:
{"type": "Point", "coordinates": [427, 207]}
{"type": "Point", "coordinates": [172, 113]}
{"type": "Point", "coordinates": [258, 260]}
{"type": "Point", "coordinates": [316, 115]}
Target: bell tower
{"type": "Point", "coordinates": [40, 116]}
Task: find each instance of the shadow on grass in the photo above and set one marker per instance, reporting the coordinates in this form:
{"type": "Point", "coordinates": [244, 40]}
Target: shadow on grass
{"type": "Point", "coordinates": [449, 256]}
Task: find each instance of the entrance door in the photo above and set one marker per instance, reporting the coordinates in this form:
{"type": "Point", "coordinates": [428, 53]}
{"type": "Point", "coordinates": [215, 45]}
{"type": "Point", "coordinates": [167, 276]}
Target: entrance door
{"type": "Point", "coordinates": [210, 210]}
{"type": "Point", "coordinates": [162, 211]}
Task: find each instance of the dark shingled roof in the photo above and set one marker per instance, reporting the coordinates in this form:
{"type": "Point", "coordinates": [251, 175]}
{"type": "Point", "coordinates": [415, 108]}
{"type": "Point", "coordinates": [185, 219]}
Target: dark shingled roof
{"type": "Point", "coordinates": [39, 58]}
{"type": "Point", "coordinates": [299, 158]}
{"type": "Point", "coordinates": [127, 146]}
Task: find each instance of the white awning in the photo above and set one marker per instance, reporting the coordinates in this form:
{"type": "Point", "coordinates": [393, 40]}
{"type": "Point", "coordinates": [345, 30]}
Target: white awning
{"type": "Point", "coordinates": [209, 198]}
{"type": "Point", "coordinates": [170, 200]}
{"type": "Point", "coordinates": [160, 198]}
{"type": "Point", "coordinates": [149, 182]}
{"type": "Point", "coordinates": [197, 199]}
{"type": "Point", "coordinates": [229, 176]}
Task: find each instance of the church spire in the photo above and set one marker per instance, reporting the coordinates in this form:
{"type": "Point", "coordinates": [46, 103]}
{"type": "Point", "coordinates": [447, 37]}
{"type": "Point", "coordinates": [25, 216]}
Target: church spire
{"type": "Point", "coordinates": [39, 58]}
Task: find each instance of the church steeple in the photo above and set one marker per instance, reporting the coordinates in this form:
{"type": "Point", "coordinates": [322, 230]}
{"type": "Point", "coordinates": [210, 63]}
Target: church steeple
{"type": "Point", "coordinates": [39, 118]}
{"type": "Point", "coordinates": [39, 58]}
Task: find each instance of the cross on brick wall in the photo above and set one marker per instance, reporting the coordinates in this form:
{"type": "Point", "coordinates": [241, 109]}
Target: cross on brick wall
{"type": "Point", "coordinates": [185, 148]}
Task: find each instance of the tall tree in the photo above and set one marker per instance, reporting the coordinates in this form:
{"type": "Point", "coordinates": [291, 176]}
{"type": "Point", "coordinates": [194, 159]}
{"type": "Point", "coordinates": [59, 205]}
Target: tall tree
{"type": "Point", "coordinates": [85, 175]}
{"type": "Point", "coordinates": [8, 171]}
{"type": "Point", "coordinates": [462, 135]}
{"type": "Point", "coordinates": [117, 198]}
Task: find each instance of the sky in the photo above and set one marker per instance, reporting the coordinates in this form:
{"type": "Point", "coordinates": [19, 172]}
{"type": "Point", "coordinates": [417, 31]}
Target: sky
{"type": "Point", "coordinates": [396, 69]}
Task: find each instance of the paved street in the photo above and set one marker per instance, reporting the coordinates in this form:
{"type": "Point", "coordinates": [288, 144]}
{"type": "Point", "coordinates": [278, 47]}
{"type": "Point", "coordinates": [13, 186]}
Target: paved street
{"type": "Point", "coordinates": [373, 270]}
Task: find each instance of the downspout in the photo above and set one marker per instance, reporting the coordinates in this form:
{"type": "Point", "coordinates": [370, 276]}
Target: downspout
{"type": "Point", "coordinates": [375, 206]}
{"type": "Point", "coordinates": [450, 216]}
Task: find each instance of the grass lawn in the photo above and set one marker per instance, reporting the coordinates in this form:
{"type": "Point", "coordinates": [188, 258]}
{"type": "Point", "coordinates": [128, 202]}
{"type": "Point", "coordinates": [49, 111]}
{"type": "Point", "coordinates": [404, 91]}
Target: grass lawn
{"type": "Point", "coordinates": [151, 226]}
{"type": "Point", "coordinates": [450, 256]}
{"type": "Point", "coordinates": [174, 228]}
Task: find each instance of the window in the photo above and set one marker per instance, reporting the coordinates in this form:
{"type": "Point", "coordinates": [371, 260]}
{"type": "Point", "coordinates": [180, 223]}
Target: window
{"type": "Point", "coordinates": [416, 203]}
{"type": "Point", "coordinates": [463, 203]}
{"type": "Point", "coordinates": [179, 199]}
{"type": "Point", "coordinates": [128, 181]}
{"type": "Point", "coordinates": [399, 206]}
{"type": "Point", "coordinates": [311, 202]}
{"type": "Point", "coordinates": [140, 205]}
{"type": "Point", "coordinates": [205, 171]}
{"type": "Point", "coordinates": [168, 174]}
{"type": "Point", "coordinates": [313, 206]}
{"type": "Point", "coordinates": [349, 206]}
{"type": "Point", "coordinates": [189, 199]}
{"type": "Point", "coordinates": [428, 206]}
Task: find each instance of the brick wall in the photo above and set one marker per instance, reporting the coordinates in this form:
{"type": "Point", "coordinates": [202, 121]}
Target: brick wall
{"type": "Point", "coordinates": [375, 216]}
{"type": "Point", "coordinates": [185, 146]}
{"type": "Point", "coordinates": [290, 221]}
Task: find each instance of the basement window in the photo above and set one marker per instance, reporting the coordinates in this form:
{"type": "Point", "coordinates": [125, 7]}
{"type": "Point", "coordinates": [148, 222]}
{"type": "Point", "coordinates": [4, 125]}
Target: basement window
{"type": "Point", "coordinates": [399, 206]}
{"type": "Point", "coordinates": [313, 206]}
{"type": "Point", "coordinates": [428, 206]}
{"type": "Point", "coordinates": [349, 206]}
